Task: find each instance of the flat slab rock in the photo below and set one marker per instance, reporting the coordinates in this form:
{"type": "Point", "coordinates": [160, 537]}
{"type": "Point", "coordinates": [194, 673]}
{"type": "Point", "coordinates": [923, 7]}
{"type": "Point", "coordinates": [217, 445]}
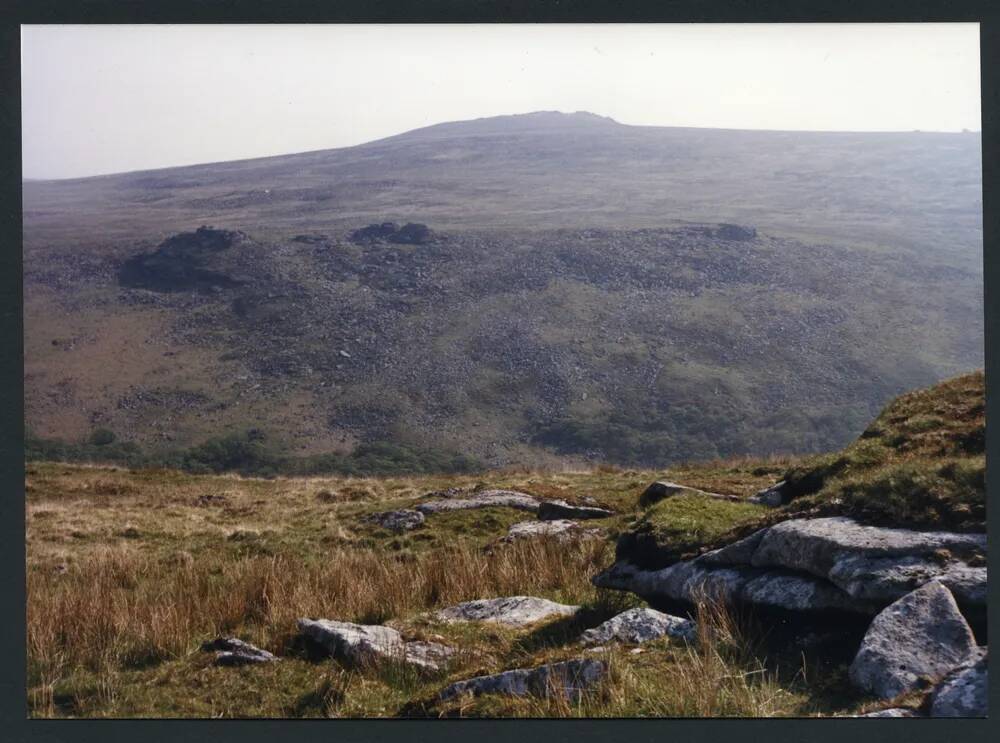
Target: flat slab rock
{"type": "Point", "coordinates": [962, 693]}
{"type": "Point", "coordinates": [662, 489]}
{"type": "Point", "coordinates": [552, 510]}
{"type": "Point", "coordinates": [893, 712]}
{"type": "Point", "coordinates": [512, 611]}
{"type": "Point", "coordinates": [364, 644]}
{"type": "Point", "coordinates": [640, 625]}
{"type": "Point", "coordinates": [560, 529]}
{"type": "Point", "coordinates": [699, 579]}
{"type": "Point", "coordinates": [918, 637]}
{"type": "Point", "coordinates": [397, 521]}
{"type": "Point", "coordinates": [568, 678]}
{"type": "Point", "coordinates": [872, 565]}
{"type": "Point", "coordinates": [482, 499]}
{"type": "Point", "coordinates": [871, 562]}
{"type": "Point", "coordinates": [231, 651]}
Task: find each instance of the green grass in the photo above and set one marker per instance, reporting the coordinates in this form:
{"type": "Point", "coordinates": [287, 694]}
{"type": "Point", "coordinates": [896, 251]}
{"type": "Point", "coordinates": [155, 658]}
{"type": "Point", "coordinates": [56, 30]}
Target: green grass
{"type": "Point", "coordinates": [920, 464]}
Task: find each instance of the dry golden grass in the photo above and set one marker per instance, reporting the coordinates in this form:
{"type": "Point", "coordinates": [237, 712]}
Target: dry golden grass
{"type": "Point", "coordinates": [120, 608]}
{"type": "Point", "coordinates": [129, 572]}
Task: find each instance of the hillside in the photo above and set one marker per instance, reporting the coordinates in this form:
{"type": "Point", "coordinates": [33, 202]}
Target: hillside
{"type": "Point", "coordinates": [578, 295]}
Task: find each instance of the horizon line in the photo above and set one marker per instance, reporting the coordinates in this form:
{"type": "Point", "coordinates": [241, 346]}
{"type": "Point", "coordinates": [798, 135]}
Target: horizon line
{"type": "Point", "coordinates": [42, 179]}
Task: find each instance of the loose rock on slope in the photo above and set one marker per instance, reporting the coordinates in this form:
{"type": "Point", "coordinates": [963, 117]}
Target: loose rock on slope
{"type": "Point", "coordinates": [639, 625]}
{"type": "Point", "coordinates": [921, 636]}
{"type": "Point", "coordinates": [231, 651]}
{"type": "Point", "coordinates": [662, 489]}
{"type": "Point", "coordinates": [398, 521]}
{"type": "Point", "coordinates": [561, 529]}
{"type": "Point", "coordinates": [568, 678]}
{"type": "Point", "coordinates": [513, 611]}
{"type": "Point", "coordinates": [552, 510]}
{"type": "Point", "coordinates": [696, 580]}
{"type": "Point", "coordinates": [483, 499]}
{"type": "Point", "coordinates": [362, 644]}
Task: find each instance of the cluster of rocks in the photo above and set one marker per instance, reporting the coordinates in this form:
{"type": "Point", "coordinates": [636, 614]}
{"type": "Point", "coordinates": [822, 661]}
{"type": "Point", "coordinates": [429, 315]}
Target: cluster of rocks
{"type": "Point", "coordinates": [412, 233]}
{"type": "Point", "coordinates": [566, 678]}
{"type": "Point", "coordinates": [912, 584]}
{"type": "Point", "coordinates": [360, 645]}
{"type": "Point", "coordinates": [556, 518]}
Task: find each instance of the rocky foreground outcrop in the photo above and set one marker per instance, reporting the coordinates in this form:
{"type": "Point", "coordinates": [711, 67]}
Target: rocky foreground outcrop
{"type": "Point", "coordinates": [915, 585]}
{"type": "Point", "coordinates": [817, 565]}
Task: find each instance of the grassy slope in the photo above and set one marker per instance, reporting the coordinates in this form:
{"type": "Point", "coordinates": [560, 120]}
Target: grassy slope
{"type": "Point", "coordinates": [128, 572]}
{"type": "Point", "coordinates": [920, 464]}
{"type": "Point", "coordinates": [651, 347]}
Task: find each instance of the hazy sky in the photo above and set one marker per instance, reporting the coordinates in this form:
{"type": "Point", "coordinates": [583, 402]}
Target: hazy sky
{"type": "Point", "coordinates": [103, 99]}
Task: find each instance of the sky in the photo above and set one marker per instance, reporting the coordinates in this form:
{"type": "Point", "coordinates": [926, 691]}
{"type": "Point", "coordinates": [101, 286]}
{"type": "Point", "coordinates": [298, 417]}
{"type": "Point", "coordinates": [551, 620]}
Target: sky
{"type": "Point", "coordinates": [106, 99]}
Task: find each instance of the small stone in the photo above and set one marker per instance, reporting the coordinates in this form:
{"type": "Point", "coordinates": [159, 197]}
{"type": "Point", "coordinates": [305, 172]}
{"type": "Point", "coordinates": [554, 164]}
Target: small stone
{"type": "Point", "coordinates": [231, 651]}
{"type": "Point", "coordinates": [893, 712]}
{"type": "Point", "coordinates": [640, 625]}
{"type": "Point", "coordinates": [365, 644]}
{"type": "Point", "coordinates": [397, 521]}
{"type": "Point", "coordinates": [561, 529]}
{"type": "Point", "coordinates": [773, 496]}
{"type": "Point", "coordinates": [552, 510]}
{"type": "Point", "coordinates": [568, 678]}
{"type": "Point", "coordinates": [659, 490]}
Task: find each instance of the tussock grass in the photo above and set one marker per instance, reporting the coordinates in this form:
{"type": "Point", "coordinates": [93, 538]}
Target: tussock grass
{"type": "Point", "coordinates": [121, 608]}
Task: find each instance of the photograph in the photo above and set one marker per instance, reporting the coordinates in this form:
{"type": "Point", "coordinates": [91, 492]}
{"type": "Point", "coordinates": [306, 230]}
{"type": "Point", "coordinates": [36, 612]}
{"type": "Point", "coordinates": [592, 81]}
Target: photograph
{"type": "Point", "coordinates": [503, 370]}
